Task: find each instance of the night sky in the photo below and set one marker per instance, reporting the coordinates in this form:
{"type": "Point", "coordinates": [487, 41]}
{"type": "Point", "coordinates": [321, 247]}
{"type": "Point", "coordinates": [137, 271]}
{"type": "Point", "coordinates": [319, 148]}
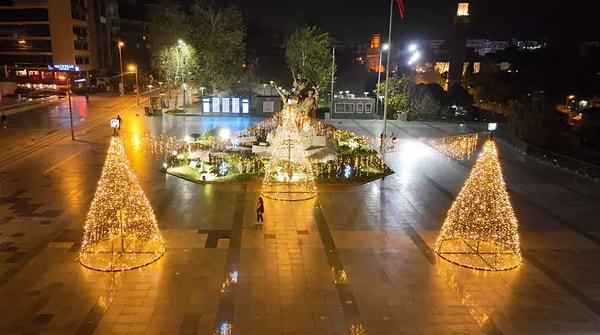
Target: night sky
{"type": "Point", "coordinates": [355, 21]}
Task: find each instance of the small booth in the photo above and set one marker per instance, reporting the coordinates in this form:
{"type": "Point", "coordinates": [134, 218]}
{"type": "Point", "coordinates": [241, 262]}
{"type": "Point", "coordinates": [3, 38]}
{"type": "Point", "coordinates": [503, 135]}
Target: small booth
{"type": "Point", "coordinates": [225, 106]}
{"type": "Point", "coordinates": [157, 103]}
{"type": "Point", "coordinates": [354, 108]}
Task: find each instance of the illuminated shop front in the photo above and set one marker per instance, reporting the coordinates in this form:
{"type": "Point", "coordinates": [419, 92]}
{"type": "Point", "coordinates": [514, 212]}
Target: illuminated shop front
{"type": "Point", "coordinates": [42, 78]}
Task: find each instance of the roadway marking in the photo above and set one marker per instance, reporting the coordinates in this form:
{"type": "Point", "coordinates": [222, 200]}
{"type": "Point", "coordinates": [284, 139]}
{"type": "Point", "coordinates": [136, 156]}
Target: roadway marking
{"type": "Point", "coordinates": [61, 163]}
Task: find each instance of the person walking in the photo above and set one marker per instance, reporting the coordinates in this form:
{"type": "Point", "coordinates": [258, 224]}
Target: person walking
{"type": "Point", "coordinates": [260, 209]}
{"type": "Point", "coordinates": [118, 127]}
{"type": "Point", "coordinates": [4, 119]}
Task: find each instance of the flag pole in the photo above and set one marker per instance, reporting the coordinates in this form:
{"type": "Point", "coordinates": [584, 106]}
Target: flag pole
{"type": "Point", "coordinates": [387, 76]}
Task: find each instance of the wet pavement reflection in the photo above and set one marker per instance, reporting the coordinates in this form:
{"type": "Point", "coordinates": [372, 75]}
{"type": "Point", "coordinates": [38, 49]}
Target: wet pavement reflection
{"type": "Point", "coordinates": [357, 259]}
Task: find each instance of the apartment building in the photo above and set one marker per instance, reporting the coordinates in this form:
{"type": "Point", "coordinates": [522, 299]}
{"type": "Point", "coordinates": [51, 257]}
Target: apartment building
{"type": "Point", "coordinates": [43, 43]}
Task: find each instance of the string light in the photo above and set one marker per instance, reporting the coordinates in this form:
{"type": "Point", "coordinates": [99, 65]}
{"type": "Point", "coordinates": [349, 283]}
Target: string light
{"type": "Point", "coordinates": [457, 147]}
{"type": "Point", "coordinates": [289, 175]}
{"type": "Point", "coordinates": [357, 329]}
{"type": "Point", "coordinates": [480, 230]}
{"type": "Point", "coordinates": [121, 232]}
{"type": "Point", "coordinates": [339, 276]}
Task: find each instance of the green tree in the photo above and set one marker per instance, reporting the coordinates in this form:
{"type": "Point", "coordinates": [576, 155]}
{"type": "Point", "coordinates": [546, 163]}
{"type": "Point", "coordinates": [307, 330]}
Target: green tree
{"type": "Point", "coordinates": [535, 120]}
{"type": "Point", "coordinates": [308, 55]}
{"type": "Point", "coordinates": [218, 35]}
{"type": "Point", "coordinates": [176, 63]}
{"type": "Point", "coordinates": [406, 96]}
{"type": "Point", "coordinates": [167, 25]}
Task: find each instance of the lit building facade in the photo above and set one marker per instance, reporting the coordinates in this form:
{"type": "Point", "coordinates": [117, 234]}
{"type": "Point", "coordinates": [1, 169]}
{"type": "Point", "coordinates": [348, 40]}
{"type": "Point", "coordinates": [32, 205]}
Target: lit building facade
{"type": "Point", "coordinates": [45, 42]}
{"type": "Point", "coordinates": [373, 54]}
{"type": "Point", "coordinates": [484, 46]}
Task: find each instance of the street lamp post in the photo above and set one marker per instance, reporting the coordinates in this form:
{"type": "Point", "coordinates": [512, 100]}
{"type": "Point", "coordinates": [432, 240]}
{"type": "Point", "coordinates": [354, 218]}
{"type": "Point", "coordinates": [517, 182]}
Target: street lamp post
{"type": "Point", "coordinates": [122, 88]}
{"type": "Point", "coordinates": [182, 45]}
{"type": "Point", "coordinates": [413, 60]}
{"type": "Point", "coordinates": [264, 89]}
{"type": "Point", "coordinates": [387, 76]}
{"type": "Point", "coordinates": [70, 105]}
{"type": "Point", "coordinates": [383, 47]}
{"type": "Point", "coordinates": [137, 87]}
{"type": "Point", "coordinates": [331, 109]}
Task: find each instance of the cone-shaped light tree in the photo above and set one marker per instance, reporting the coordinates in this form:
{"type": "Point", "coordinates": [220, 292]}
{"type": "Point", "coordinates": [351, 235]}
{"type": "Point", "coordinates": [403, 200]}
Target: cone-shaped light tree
{"type": "Point", "coordinates": [289, 175]}
{"type": "Point", "coordinates": [481, 230]}
{"type": "Point", "coordinates": [456, 147]}
{"type": "Point", "coordinates": [121, 232]}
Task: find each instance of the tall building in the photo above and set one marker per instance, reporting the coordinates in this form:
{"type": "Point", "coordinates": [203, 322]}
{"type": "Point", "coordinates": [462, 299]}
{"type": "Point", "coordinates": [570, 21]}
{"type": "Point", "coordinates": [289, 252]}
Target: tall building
{"type": "Point", "coordinates": [373, 53]}
{"type": "Point", "coordinates": [44, 42]}
{"type": "Point", "coordinates": [106, 25]}
{"type": "Point", "coordinates": [458, 42]}
{"type": "Point", "coordinates": [133, 24]}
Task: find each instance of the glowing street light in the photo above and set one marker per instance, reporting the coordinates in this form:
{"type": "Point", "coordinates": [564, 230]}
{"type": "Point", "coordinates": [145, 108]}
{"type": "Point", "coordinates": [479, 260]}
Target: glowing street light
{"type": "Point", "coordinates": [569, 98]}
{"type": "Point", "coordinates": [415, 56]}
{"type": "Point", "coordinates": [383, 47]}
{"type": "Point", "coordinates": [412, 47]}
{"type": "Point", "coordinates": [134, 68]}
{"type": "Point", "coordinates": [122, 88]}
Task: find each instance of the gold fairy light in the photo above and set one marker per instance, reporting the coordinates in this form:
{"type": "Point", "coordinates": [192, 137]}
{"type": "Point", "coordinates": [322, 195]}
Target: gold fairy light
{"type": "Point", "coordinates": [289, 175]}
{"type": "Point", "coordinates": [121, 232]}
{"type": "Point", "coordinates": [480, 230]}
{"type": "Point", "coordinates": [339, 276]}
{"type": "Point", "coordinates": [457, 147]}
{"type": "Point", "coordinates": [357, 329]}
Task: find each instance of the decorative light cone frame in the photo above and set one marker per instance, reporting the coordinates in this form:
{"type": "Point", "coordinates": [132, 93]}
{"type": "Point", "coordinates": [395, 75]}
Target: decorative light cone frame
{"type": "Point", "coordinates": [480, 230]}
{"type": "Point", "coordinates": [458, 147]}
{"type": "Point", "coordinates": [121, 232]}
{"type": "Point", "coordinates": [289, 175]}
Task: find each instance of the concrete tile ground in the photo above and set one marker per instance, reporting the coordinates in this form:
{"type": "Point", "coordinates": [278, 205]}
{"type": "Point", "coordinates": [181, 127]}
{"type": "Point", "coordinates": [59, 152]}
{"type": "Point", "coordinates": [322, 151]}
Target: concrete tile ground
{"type": "Point", "coordinates": [355, 260]}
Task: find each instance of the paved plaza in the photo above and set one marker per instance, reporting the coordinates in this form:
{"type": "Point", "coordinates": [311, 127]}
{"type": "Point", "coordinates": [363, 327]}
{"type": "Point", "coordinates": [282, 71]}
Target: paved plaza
{"type": "Point", "coordinates": [357, 259]}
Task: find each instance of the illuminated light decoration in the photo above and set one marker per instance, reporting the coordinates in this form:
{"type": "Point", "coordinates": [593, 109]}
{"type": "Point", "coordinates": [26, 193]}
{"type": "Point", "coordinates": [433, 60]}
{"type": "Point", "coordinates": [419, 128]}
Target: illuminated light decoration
{"type": "Point", "coordinates": [347, 171]}
{"type": "Point", "coordinates": [480, 230]}
{"type": "Point", "coordinates": [289, 175]}
{"type": "Point", "coordinates": [224, 329]}
{"type": "Point", "coordinates": [230, 279]}
{"type": "Point", "coordinates": [357, 329]}
{"type": "Point", "coordinates": [120, 232]}
{"type": "Point", "coordinates": [339, 276]}
{"type": "Point", "coordinates": [223, 169]}
{"type": "Point", "coordinates": [457, 147]}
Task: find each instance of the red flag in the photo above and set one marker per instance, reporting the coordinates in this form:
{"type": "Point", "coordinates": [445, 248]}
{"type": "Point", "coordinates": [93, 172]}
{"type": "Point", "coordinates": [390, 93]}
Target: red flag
{"type": "Point", "coordinates": [400, 8]}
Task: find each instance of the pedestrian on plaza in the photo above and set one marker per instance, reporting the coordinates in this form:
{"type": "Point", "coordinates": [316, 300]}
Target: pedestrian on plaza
{"type": "Point", "coordinates": [260, 209]}
{"type": "Point", "coordinates": [4, 119]}
{"type": "Point", "coordinates": [118, 127]}
{"type": "Point", "coordinates": [382, 137]}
